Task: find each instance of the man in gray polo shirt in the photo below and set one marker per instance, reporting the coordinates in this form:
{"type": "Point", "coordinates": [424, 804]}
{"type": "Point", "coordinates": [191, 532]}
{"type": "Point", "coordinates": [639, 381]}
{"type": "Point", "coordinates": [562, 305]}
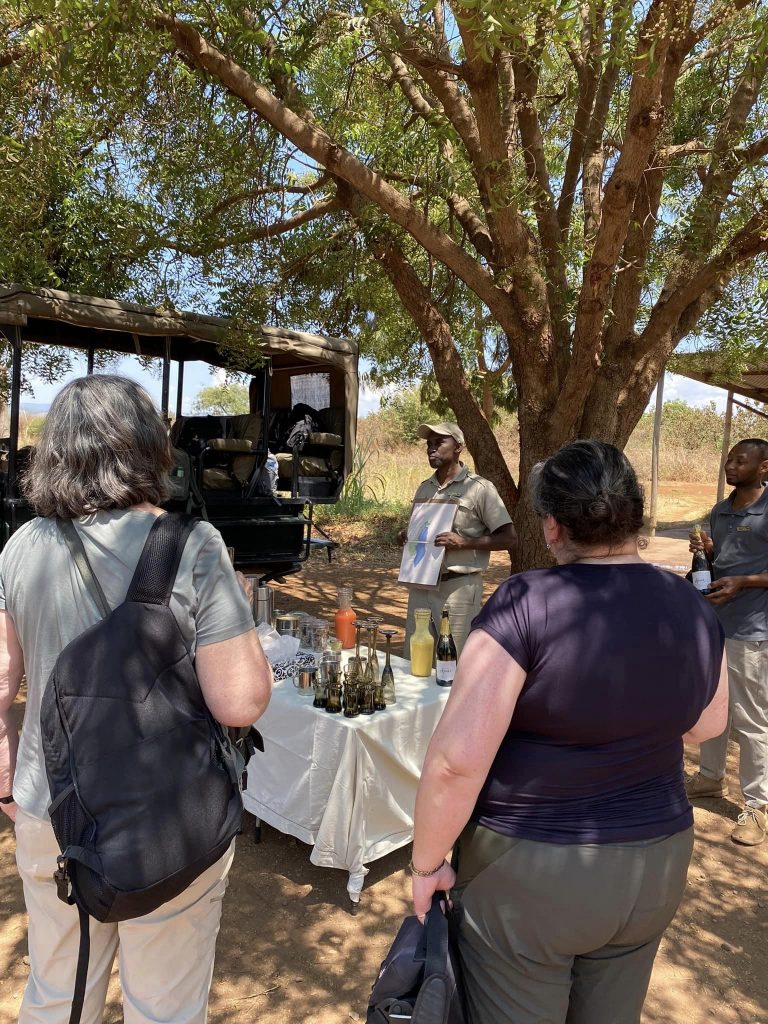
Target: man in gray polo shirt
{"type": "Point", "coordinates": [482, 525]}
{"type": "Point", "coordinates": [737, 544]}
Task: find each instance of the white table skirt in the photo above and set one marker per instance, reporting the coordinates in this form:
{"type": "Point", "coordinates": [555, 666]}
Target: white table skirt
{"type": "Point", "coordinates": [347, 786]}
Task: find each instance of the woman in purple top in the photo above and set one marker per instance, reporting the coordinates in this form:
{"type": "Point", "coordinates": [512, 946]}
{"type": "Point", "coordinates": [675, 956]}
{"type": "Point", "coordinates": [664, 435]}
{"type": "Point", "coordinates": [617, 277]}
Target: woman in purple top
{"type": "Point", "coordinates": [557, 769]}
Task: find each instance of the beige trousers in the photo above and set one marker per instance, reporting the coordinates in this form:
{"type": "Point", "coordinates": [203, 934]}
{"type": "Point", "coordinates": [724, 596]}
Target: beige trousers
{"type": "Point", "coordinates": [165, 958]}
{"type": "Point", "coordinates": [747, 721]}
{"type": "Point", "coordinates": [461, 595]}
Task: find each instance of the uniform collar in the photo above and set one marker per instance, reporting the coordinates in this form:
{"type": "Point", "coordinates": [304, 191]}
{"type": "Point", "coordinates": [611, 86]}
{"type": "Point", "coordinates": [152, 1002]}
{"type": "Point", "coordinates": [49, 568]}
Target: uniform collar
{"type": "Point", "coordinates": [460, 476]}
{"type": "Point", "coordinates": [757, 508]}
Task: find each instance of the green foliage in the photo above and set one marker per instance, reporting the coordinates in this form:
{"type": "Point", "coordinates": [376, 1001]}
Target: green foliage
{"type": "Point", "coordinates": [402, 413]}
{"type": "Point", "coordinates": [228, 399]}
{"type": "Point", "coordinates": [695, 428]}
{"type": "Point", "coordinates": [364, 492]}
{"type": "Point", "coordinates": [126, 172]}
{"type": "Point", "coordinates": [33, 426]}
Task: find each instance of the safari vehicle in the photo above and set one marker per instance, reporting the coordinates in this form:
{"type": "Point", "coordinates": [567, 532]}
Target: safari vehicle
{"type": "Point", "coordinates": [303, 409]}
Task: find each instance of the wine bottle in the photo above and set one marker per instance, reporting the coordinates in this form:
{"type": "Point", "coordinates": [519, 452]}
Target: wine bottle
{"type": "Point", "coordinates": [701, 573]}
{"type": "Point", "coordinates": [446, 657]}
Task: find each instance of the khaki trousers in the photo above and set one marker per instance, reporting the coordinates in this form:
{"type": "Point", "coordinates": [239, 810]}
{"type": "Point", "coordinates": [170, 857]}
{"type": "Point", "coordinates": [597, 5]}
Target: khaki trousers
{"type": "Point", "coordinates": [561, 934]}
{"type": "Point", "coordinates": [461, 595]}
{"type": "Point", "coordinates": [165, 958]}
{"type": "Point", "coordinates": [747, 717]}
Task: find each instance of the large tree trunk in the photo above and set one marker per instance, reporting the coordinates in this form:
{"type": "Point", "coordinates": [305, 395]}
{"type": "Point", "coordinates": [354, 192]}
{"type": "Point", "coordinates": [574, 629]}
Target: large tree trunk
{"type": "Point", "coordinates": [536, 444]}
{"type": "Point", "coordinates": [449, 369]}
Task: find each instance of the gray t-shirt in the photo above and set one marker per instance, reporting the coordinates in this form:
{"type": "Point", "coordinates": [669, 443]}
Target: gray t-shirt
{"type": "Point", "coordinates": [740, 537]}
{"type": "Point", "coordinates": [43, 592]}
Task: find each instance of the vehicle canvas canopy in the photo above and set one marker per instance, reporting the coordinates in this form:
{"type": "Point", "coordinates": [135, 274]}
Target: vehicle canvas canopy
{"type": "Point", "coordinates": [303, 397]}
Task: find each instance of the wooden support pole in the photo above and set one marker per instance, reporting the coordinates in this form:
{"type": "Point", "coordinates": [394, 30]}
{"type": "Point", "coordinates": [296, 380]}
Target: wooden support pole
{"type": "Point", "coordinates": [726, 446]}
{"type": "Point", "coordinates": [655, 453]}
{"type": "Point", "coordinates": [89, 371]}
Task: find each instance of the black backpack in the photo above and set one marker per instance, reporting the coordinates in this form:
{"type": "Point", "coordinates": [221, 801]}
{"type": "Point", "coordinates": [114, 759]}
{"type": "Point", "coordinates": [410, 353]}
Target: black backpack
{"type": "Point", "coordinates": [123, 716]}
{"type": "Point", "coordinates": [419, 979]}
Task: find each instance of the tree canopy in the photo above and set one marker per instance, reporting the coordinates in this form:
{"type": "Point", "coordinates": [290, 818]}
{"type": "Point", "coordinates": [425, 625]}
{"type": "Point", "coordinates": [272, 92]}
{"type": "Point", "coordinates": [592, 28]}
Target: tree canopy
{"type": "Point", "coordinates": [222, 400]}
{"type": "Point", "coordinates": [534, 202]}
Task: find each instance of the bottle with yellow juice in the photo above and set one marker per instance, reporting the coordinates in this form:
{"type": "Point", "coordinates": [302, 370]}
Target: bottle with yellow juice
{"type": "Point", "coordinates": [422, 644]}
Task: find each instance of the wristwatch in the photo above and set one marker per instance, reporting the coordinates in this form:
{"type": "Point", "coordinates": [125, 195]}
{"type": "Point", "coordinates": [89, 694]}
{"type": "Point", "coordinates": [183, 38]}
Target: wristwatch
{"type": "Point", "coordinates": [6, 799]}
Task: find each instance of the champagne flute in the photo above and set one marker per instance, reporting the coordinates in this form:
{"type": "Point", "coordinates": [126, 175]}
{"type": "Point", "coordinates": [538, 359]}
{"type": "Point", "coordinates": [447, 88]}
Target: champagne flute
{"type": "Point", "coordinates": [355, 665]}
{"type": "Point", "coordinates": [388, 676]}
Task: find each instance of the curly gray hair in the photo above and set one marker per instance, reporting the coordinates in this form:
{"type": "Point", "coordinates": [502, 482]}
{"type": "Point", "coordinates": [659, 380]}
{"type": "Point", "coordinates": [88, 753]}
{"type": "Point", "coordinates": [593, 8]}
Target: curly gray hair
{"type": "Point", "coordinates": [103, 446]}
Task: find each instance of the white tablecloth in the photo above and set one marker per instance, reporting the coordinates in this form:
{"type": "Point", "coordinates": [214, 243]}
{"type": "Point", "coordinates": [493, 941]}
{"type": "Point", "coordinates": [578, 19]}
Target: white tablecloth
{"type": "Point", "coordinates": [345, 785]}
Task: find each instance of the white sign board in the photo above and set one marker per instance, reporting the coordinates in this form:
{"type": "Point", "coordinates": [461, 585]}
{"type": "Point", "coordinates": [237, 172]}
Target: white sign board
{"type": "Point", "coordinates": [422, 559]}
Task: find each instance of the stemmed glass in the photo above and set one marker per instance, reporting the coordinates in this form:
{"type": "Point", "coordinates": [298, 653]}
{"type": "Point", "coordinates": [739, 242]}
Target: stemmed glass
{"type": "Point", "coordinates": [355, 665]}
{"type": "Point", "coordinates": [371, 662]}
{"type": "Point", "coordinates": [374, 622]}
{"type": "Point", "coordinates": [388, 676]}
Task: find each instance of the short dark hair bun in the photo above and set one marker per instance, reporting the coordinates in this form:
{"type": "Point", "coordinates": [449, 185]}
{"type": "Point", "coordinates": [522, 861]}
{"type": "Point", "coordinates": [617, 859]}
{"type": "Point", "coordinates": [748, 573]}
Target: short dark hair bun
{"type": "Point", "coordinates": [591, 489]}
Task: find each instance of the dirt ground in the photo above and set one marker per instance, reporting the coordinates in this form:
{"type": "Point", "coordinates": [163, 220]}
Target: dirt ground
{"type": "Point", "coordinates": [290, 952]}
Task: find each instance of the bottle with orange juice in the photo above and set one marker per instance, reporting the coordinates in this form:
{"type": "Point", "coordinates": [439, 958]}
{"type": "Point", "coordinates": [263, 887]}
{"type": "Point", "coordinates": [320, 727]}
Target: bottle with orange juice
{"type": "Point", "coordinates": [345, 618]}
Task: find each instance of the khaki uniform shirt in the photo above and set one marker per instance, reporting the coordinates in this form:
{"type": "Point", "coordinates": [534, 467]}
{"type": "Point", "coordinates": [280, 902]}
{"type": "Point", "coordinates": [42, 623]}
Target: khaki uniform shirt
{"type": "Point", "coordinates": [480, 512]}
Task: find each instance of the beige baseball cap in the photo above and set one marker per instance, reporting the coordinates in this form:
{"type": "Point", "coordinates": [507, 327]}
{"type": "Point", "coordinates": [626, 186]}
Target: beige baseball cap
{"type": "Point", "coordinates": [443, 429]}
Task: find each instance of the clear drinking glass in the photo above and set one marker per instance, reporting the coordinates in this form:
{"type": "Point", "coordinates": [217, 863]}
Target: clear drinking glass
{"type": "Point", "coordinates": [355, 665]}
{"type": "Point", "coordinates": [388, 676]}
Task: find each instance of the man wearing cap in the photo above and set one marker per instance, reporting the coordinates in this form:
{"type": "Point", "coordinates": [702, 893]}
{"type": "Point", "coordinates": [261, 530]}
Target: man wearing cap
{"type": "Point", "coordinates": [482, 525]}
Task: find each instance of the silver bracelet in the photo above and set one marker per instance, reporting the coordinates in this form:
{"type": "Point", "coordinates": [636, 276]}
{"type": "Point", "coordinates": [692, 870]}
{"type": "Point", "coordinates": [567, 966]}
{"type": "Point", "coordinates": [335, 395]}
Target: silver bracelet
{"type": "Point", "coordinates": [424, 874]}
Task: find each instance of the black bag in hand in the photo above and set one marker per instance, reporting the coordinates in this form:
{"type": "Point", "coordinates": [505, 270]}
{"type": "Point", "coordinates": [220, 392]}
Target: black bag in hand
{"type": "Point", "coordinates": [419, 978]}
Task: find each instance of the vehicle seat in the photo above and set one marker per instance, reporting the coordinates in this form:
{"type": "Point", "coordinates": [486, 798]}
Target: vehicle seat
{"type": "Point", "coordinates": [318, 458]}
{"type": "Point", "coordinates": [224, 448]}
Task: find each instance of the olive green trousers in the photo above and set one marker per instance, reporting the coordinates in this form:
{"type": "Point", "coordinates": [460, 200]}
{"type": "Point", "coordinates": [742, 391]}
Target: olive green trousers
{"type": "Point", "coordinates": [560, 934]}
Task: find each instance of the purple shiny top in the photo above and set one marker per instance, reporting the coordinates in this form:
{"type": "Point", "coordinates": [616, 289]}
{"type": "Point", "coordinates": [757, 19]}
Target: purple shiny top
{"type": "Point", "coordinates": [621, 660]}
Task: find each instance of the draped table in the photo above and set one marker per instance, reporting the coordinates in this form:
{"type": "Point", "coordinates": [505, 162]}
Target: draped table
{"type": "Point", "coordinates": [346, 786]}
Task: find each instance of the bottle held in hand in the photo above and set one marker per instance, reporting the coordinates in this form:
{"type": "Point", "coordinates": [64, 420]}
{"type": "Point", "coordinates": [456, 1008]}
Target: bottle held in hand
{"type": "Point", "coordinates": [446, 656]}
{"type": "Point", "coordinates": [701, 573]}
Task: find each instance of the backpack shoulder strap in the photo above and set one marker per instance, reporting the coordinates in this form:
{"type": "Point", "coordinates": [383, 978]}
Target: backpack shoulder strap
{"type": "Point", "coordinates": [77, 550]}
{"type": "Point", "coordinates": [81, 973]}
{"type": "Point", "coordinates": [156, 570]}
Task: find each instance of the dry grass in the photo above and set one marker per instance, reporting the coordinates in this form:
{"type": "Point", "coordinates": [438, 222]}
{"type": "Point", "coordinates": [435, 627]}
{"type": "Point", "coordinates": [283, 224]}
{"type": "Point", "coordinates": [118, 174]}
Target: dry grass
{"type": "Point", "coordinates": [688, 475]}
{"type": "Point", "coordinates": [392, 470]}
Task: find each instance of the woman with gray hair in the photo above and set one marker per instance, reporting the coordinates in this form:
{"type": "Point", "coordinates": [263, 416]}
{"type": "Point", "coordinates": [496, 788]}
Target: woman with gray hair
{"type": "Point", "coordinates": [103, 462]}
{"type": "Point", "coordinates": [556, 771]}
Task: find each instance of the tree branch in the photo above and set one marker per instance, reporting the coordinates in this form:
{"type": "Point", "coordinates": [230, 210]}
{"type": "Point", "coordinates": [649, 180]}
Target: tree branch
{"type": "Point", "coordinates": [511, 236]}
{"type": "Point", "coordinates": [750, 241]}
{"type": "Point", "coordinates": [478, 233]}
{"type": "Point", "coordinates": [725, 166]}
{"type": "Point", "coordinates": [275, 188]}
{"type": "Point", "coordinates": [418, 101]}
{"type": "Point", "coordinates": [526, 80]}
{"type": "Point", "coordinates": [644, 120]}
{"type": "Point", "coordinates": [747, 155]}
{"type": "Point", "coordinates": [11, 54]}
{"type": "Point", "coordinates": [711, 51]}
{"type": "Point", "coordinates": [447, 363]}
{"type": "Point", "coordinates": [509, 110]}
{"type": "Point", "coordinates": [316, 143]}
{"type": "Point", "coordinates": [729, 9]}
{"type": "Point", "coordinates": [257, 234]}
{"type": "Point", "coordinates": [586, 61]}
{"type": "Point", "coordinates": [593, 152]}
{"type": "Point", "coordinates": [442, 84]}
{"type": "Point", "coordinates": [691, 148]}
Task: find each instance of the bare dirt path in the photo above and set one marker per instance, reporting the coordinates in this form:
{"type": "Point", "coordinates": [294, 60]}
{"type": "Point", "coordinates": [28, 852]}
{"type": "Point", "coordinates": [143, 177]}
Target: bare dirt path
{"type": "Point", "coordinates": [290, 953]}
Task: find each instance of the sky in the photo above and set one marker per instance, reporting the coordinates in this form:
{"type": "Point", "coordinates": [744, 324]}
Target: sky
{"type": "Point", "coordinates": [199, 375]}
